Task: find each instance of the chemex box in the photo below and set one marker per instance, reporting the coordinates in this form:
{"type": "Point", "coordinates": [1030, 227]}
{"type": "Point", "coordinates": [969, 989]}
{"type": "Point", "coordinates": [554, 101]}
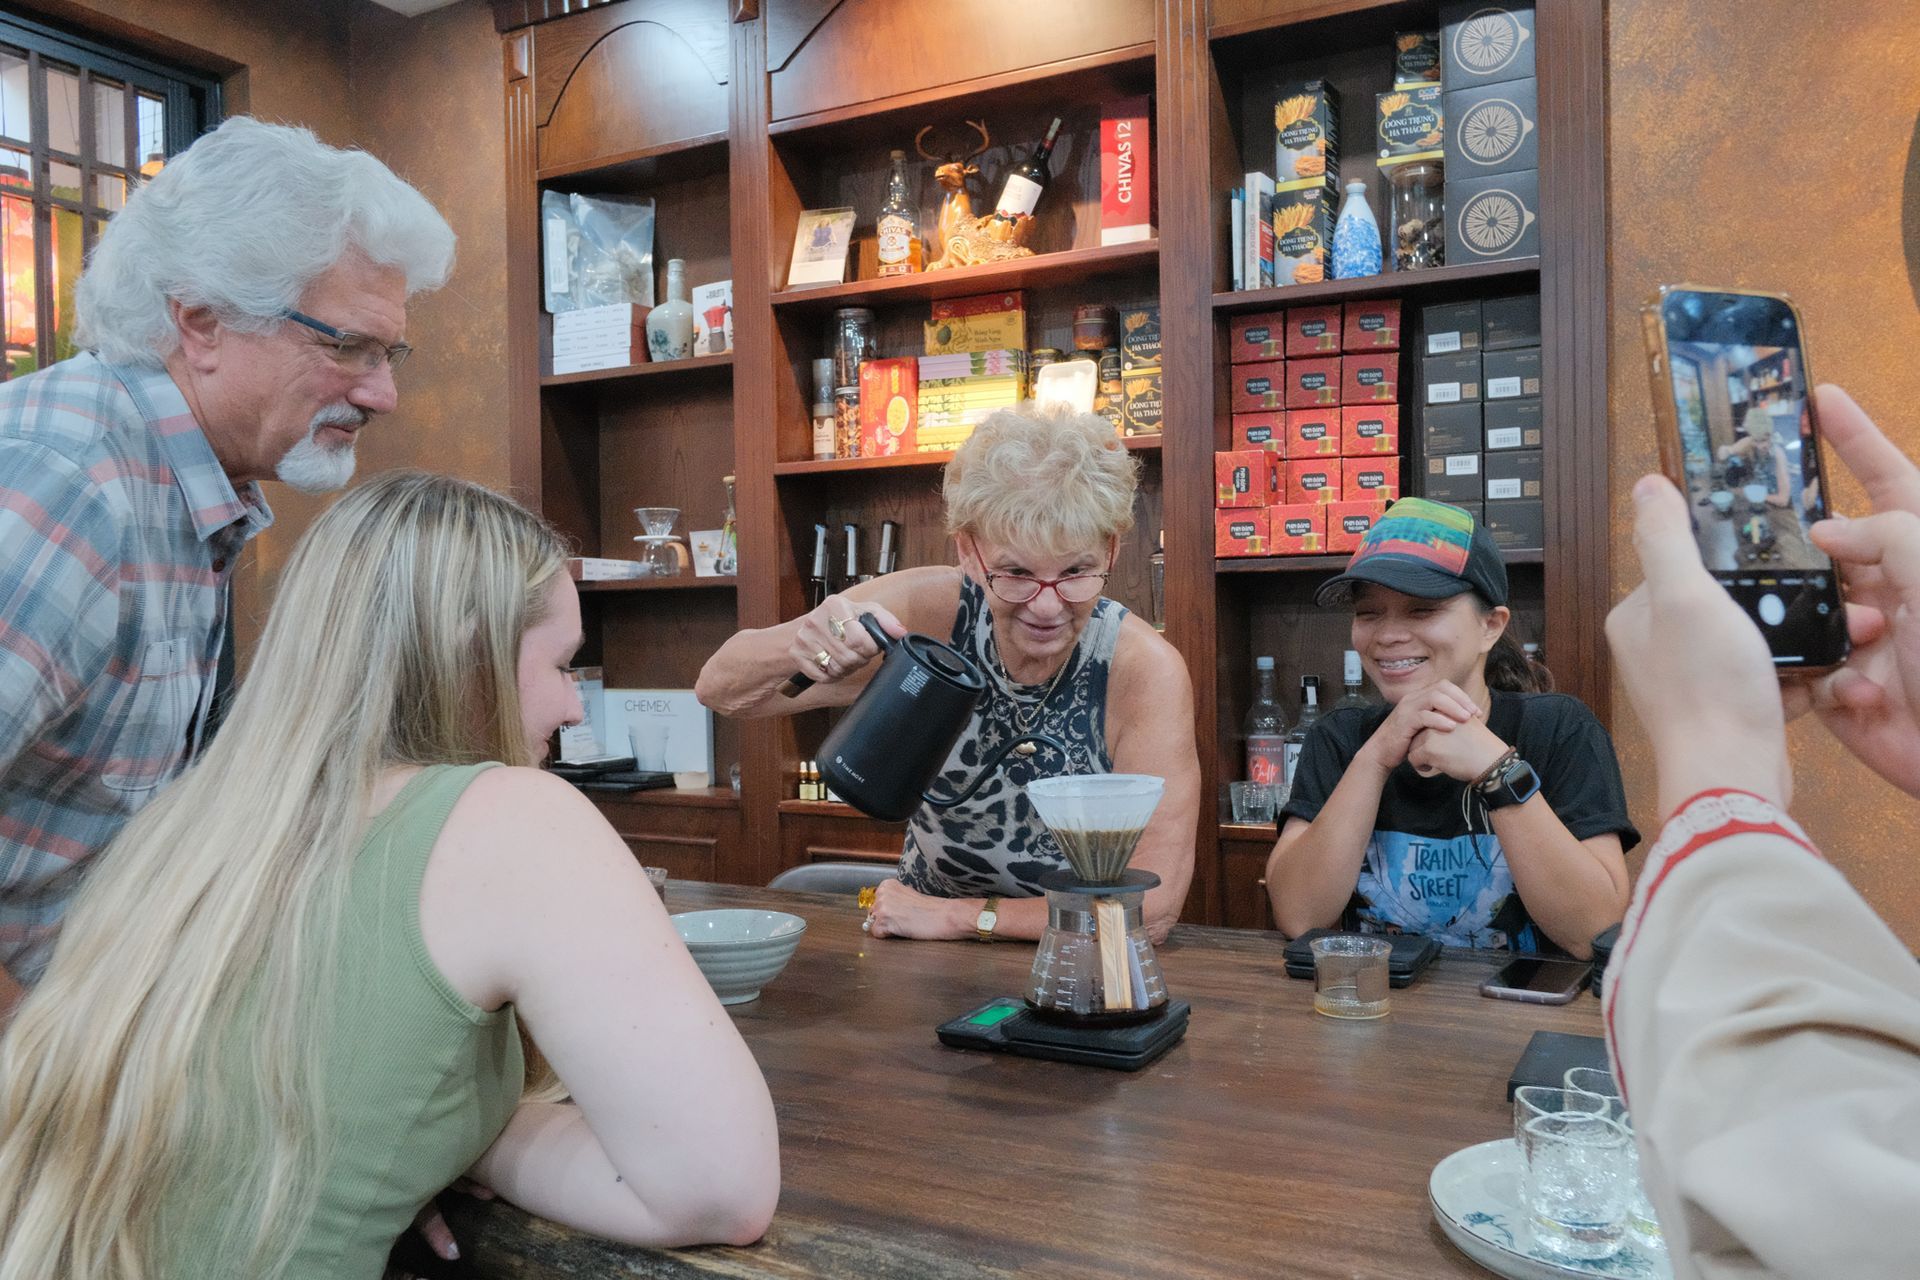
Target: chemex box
{"type": "Point", "coordinates": [1448, 429]}
{"type": "Point", "coordinates": [1257, 386]}
{"type": "Point", "coordinates": [1261, 431]}
{"type": "Point", "coordinates": [1450, 379]}
{"type": "Point", "coordinates": [1259, 336]}
{"type": "Point", "coordinates": [1510, 375]}
{"type": "Point", "coordinates": [1492, 129]}
{"type": "Point", "coordinates": [1348, 522]}
{"type": "Point", "coordinates": [1490, 219]}
{"type": "Point", "coordinates": [1451, 327]}
{"type": "Point", "coordinates": [1515, 424]}
{"type": "Point", "coordinates": [1313, 382]}
{"type": "Point", "coordinates": [1514, 473]}
{"type": "Point", "coordinates": [1371, 377]}
{"type": "Point", "coordinates": [1410, 123]}
{"type": "Point", "coordinates": [1367, 429]}
{"type": "Point", "coordinates": [1518, 524]}
{"type": "Point", "coordinates": [1482, 43]}
{"type": "Point", "coordinates": [1454, 478]}
{"type": "Point", "coordinates": [1312, 480]}
{"type": "Point", "coordinates": [1306, 127]}
{"type": "Point", "coordinates": [1313, 331]}
{"type": "Point", "coordinates": [1371, 326]}
{"type": "Point", "coordinates": [1245, 478]}
{"type": "Point", "coordinates": [1297, 529]}
{"type": "Point", "coordinates": [1240, 533]}
{"type": "Point", "coordinates": [1303, 231]}
{"type": "Point", "coordinates": [1370, 478]}
{"type": "Point", "coordinates": [1313, 433]}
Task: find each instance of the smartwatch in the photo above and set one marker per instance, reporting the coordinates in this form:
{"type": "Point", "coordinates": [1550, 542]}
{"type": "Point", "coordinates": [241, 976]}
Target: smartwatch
{"type": "Point", "coordinates": [984, 922]}
{"type": "Point", "coordinates": [1513, 782]}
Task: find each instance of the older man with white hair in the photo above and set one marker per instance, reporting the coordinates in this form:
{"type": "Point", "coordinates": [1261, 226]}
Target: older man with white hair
{"type": "Point", "coordinates": [242, 318]}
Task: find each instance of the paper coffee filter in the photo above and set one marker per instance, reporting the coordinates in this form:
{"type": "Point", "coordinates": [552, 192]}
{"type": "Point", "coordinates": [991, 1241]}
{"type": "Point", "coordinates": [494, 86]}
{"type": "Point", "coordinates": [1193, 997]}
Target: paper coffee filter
{"type": "Point", "coordinates": [1106, 803]}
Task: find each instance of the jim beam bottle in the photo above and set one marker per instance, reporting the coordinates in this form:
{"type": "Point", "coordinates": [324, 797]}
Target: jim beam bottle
{"type": "Point", "coordinates": [1020, 194]}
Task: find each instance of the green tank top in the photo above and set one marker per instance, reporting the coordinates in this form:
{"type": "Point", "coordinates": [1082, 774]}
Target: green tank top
{"type": "Point", "coordinates": [419, 1082]}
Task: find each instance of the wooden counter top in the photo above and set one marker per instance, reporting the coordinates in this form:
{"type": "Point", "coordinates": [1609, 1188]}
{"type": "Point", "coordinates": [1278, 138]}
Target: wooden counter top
{"type": "Point", "coordinates": [1270, 1142]}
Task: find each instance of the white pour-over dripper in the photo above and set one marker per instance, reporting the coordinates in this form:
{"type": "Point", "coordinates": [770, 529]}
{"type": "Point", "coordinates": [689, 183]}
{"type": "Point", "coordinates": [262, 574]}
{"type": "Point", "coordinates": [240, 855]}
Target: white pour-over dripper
{"type": "Point", "coordinates": [1097, 818]}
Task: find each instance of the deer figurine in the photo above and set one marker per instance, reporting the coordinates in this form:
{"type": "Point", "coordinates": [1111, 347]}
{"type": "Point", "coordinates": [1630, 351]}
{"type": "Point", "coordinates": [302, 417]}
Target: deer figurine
{"type": "Point", "coordinates": [966, 238]}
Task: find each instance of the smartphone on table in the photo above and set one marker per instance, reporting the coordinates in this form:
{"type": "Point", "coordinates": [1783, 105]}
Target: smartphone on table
{"type": "Point", "coordinates": [1740, 436]}
{"type": "Point", "coordinates": [1538, 980]}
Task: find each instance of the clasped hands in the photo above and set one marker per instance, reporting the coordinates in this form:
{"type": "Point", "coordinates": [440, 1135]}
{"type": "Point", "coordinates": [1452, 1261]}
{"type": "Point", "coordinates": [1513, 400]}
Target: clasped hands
{"type": "Point", "coordinates": [1439, 730]}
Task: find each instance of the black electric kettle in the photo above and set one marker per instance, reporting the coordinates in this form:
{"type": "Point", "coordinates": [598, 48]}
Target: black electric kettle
{"type": "Point", "coordinates": [896, 735]}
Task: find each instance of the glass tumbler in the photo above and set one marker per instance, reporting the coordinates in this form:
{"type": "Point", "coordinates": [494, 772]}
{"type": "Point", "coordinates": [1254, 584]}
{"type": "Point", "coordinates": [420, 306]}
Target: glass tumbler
{"type": "Point", "coordinates": [1350, 977]}
{"type": "Point", "coordinates": [1642, 1226]}
{"type": "Point", "coordinates": [1252, 801]}
{"type": "Point", "coordinates": [1419, 216]}
{"type": "Point", "coordinates": [1574, 1178]}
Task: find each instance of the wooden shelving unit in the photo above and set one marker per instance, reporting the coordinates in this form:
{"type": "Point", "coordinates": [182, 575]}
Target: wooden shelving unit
{"type": "Point", "coordinates": [697, 367]}
{"type": "Point", "coordinates": [1416, 287]}
{"type": "Point", "coordinates": [1045, 270]}
{"type": "Point", "coordinates": [684, 582]}
{"type": "Point", "coordinates": [937, 458]}
{"type": "Point", "coordinates": [1333, 564]}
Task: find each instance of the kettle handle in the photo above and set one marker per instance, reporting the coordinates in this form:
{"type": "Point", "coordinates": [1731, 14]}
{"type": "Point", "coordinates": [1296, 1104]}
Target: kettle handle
{"type": "Point", "coordinates": [798, 683]}
{"type": "Point", "coordinates": [992, 762]}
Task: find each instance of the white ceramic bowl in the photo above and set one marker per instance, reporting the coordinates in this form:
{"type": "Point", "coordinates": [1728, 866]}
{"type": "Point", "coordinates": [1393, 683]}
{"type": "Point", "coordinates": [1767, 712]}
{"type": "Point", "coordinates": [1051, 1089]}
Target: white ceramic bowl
{"type": "Point", "coordinates": [739, 949]}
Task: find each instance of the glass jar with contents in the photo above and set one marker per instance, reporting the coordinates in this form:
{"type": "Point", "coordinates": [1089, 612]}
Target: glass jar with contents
{"type": "Point", "coordinates": [852, 344]}
{"type": "Point", "coordinates": [1419, 216]}
{"type": "Point", "coordinates": [1093, 327]}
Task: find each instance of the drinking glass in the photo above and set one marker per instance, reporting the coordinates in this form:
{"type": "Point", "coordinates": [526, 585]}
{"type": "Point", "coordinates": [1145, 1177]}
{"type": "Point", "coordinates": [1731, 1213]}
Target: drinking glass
{"type": "Point", "coordinates": [1252, 801]}
{"type": "Point", "coordinates": [1642, 1225]}
{"type": "Point", "coordinates": [657, 877]}
{"type": "Point", "coordinates": [1574, 1172]}
{"type": "Point", "coordinates": [1350, 976]}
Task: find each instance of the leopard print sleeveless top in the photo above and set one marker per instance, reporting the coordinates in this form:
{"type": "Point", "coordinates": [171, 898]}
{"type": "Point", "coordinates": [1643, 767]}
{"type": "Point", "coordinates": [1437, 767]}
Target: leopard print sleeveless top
{"type": "Point", "coordinates": [995, 843]}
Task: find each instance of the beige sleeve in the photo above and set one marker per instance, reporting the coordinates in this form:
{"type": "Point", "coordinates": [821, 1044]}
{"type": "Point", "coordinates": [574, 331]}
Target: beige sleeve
{"type": "Point", "coordinates": [1765, 1025]}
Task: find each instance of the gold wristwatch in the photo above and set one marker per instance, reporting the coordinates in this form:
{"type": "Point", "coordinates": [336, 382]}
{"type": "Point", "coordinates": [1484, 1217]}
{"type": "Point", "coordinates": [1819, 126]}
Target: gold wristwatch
{"type": "Point", "coordinates": [984, 922]}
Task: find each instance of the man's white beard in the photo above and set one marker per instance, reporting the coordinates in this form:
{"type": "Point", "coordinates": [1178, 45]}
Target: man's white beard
{"type": "Point", "coordinates": [312, 467]}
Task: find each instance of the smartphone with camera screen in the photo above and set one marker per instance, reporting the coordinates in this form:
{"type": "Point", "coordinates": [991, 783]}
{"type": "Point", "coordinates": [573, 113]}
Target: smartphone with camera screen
{"type": "Point", "coordinates": [1538, 980]}
{"type": "Point", "coordinates": [1740, 436]}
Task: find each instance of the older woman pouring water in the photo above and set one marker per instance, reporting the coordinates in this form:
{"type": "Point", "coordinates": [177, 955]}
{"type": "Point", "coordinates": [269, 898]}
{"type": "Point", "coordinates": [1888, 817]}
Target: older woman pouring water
{"type": "Point", "coordinates": [1036, 504]}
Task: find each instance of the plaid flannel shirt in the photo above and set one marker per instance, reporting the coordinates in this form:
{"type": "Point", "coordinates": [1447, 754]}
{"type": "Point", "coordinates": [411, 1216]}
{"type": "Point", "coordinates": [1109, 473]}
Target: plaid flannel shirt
{"type": "Point", "coordinates": [118, 536]}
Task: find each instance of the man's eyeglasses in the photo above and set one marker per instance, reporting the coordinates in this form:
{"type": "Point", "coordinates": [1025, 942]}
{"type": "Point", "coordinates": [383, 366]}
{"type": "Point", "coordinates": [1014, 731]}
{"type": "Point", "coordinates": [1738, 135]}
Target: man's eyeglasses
{"type": "Point", "coordinates": [1016, 588]}
{"type": "Point", "coordinates": [355, 350]}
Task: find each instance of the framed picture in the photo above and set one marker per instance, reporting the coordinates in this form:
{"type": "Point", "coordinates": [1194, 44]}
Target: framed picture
{"type": "Point", "coordinates": [820, 248]}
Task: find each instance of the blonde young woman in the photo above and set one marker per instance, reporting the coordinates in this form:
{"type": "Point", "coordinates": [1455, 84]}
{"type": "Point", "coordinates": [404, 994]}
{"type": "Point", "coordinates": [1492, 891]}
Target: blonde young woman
{"type": "Point", "coordinates": [1036, 505]}
{"type": "Point", "coordinates": [283, 1012]}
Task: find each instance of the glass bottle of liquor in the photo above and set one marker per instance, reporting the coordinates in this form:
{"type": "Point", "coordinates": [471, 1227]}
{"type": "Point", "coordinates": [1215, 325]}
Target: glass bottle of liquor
{"type": "Point", "coordinates": [1266, 728]}
{"type": "Point", "coordinates": [1309, 716]}
{"type": "Point", "coordinates": [1351, 679]}
{"type": "Point", "coordinates": [900, 248]}
{"type": "Point", "coordinates": [1021, 192]}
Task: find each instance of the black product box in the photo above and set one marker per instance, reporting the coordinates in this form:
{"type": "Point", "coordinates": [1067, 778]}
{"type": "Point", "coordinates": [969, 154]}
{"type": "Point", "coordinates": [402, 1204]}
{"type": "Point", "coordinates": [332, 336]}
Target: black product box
{"type": "Point", "coordinates": [1513, 473]}
{"type": "Point", "coordinates": [1514, 424]}
{"type": "Point", "coordinates": [1510, 322]}
{"type": "Point", "coordinates": [1483, 43]}
{"type": "Point", "coordinates": [1449, 428]}
{"type": "Point", "coordinates": [1450, 379]}
{"type": "Point", "coordinates": [1517, 525]}
{"type": "Point", "coordinates": [1455, 478]}
{"type": "Point", "coordinates": [1492, 219]}
{"type": "Point", "coordinates": [1492, 129]}
{"type": "Point", "coordinates": [1450, 327]}
{"type": "Point", "coordinates": [1510, 375]}
{"type": "Point", "coordinates": [1416, 57]}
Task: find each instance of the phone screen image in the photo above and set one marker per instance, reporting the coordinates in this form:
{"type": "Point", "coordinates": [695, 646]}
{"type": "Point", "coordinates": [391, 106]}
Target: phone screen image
{"type": "Point", "coordinates": [1547, 977]}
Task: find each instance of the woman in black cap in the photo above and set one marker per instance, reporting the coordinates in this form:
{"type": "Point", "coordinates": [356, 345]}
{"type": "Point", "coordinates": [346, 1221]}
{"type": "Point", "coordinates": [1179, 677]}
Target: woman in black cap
{"type": "Point", "coordinates": [1468, 809]}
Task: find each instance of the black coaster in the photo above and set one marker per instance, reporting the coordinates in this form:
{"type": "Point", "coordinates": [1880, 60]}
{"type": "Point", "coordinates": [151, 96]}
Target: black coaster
{"type": "Point", "coordinates": [1006, 1025]}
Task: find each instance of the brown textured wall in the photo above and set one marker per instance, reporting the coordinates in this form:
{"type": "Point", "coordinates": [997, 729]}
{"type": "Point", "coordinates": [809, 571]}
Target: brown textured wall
{"type": "Point", "coordinates": [1771, 144]}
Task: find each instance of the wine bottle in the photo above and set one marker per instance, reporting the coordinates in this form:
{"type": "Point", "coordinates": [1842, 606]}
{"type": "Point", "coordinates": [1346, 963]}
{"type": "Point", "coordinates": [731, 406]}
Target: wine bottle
{"type": "Point", "coordinates": [817, 580]}
{"type": "Point", "coordinates": [1021, 192]}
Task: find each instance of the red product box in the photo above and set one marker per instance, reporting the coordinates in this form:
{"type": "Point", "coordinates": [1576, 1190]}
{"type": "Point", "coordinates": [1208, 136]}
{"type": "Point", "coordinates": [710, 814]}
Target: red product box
{"type": "Point", "coordinates": [1313, 433]}
{"type": "Point", "coordinates": [889, 407]}
{"type": "Point", "coordinates": [1371, 326]}
{"type": "Point", "coordinates": [1348, 522]}
{"type": "Point", "coordinates": [1313, 331]}
{"type": "Point", "coordinates": [1245, 478]}
{"type": "Point", "coordinates": [1369, 478]}
{"type": "Point", "coordinates": [1369, 428]}
{"type": "Point", "coordinates": [1313, 382]}
{"type": "Point", "coordinates": [1126, 173]}
{"type": "Point", "coordinates": [1312, 480]}
{"type": "Point", "coordinates": [1240, 533]}
{"type": "Point", "coordinates": [1372, 377]}
{"type": "Point", "coordinates": [1259, 386]}
{"type": "Point", "coordinates": [1261, 336]}
{"type": "Point", "coordinates": [1261, 431]}
{"type": "Point", "coordinates": [1297, 530]}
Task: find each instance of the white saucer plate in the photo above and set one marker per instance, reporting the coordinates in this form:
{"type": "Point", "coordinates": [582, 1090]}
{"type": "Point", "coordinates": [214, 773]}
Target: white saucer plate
{"type": "Point", "coordinates": [1476, 1200]}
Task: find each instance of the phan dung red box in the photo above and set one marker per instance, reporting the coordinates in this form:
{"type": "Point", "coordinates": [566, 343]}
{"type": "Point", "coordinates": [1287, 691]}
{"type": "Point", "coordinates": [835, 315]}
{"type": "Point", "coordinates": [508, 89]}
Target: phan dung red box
{"type": "Point", "coordinates": [1261, 431]}
{"type": "Point", "coordinates": [1297, 530]}
{"type": "Point", "coordinates": [1370, 478]}
{"type": "Point", "coordinates": [1371, 326]}
{"type": "Point", "coordinates": [1371, 377]}
{"type": "Point", "coordinates": [1245, 478]}
{"type": "Point", "coordinates": [1258, 386]}
{"type": "Point", "coordinates": [1313, 433]}
{"type": "Point", "coordinates": [1313, 382]}
{"type": "Point", "coordinates": [1311, 480]}
{"type": "Point", "coordinates": [1260, 336]}
{"type": "Point", "coordinates": [1240, 533]}
{"type": "Point", "coordinates": [1348, 521]}
{"type": "Point", "coordinates": [1313, 331]}
{"type": "Point", "coordinates": [1367, 429]}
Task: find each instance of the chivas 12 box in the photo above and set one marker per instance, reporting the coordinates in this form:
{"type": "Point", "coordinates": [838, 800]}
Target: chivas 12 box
{"type": "Point", "coordinates": [1126, 173]}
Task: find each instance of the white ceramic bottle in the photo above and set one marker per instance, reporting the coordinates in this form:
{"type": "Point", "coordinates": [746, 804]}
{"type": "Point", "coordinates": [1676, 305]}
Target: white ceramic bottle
{"type": "Point", "coordinates": [670, 325]}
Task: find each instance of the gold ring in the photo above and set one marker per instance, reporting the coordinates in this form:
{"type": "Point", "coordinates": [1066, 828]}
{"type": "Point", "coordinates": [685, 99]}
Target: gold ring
{"type": "Point", "coordinates": [864, 899]}
{"type": "Point", "coordinates": [839, 628]}
{"type": "Point", "coordinates": [825, 660]}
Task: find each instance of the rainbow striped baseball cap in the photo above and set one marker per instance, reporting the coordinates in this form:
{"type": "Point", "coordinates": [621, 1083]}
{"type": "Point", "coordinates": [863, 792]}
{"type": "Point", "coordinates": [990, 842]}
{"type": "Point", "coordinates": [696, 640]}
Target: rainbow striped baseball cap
{"type": "Point", "coordinates": [1423, 548]}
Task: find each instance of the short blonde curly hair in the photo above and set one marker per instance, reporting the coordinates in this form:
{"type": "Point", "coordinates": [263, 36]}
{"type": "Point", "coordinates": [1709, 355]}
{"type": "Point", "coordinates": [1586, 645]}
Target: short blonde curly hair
{"type": "Point", "coordinates": [1048, 480]}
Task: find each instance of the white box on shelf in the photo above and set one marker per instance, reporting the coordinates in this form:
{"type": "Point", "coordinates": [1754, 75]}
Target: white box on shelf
{"type": "Point", "coordinates": [590, 363]}
{"type": "Point", "coordinates": [603, 569]}
{"type": "Point", "coordinates": [580, 742]}
{"type": "Point", "coordinates": [668, 730]}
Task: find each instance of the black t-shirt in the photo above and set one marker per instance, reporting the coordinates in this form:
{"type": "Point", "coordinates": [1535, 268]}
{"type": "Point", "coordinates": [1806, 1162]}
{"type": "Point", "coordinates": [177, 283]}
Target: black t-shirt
{"type": "Point", "coordinates": [1425, 870]}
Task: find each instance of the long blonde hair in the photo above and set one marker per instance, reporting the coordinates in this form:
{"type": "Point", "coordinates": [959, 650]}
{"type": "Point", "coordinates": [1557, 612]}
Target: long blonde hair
{"type": "Point", "coordinates": [182, 1020]}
